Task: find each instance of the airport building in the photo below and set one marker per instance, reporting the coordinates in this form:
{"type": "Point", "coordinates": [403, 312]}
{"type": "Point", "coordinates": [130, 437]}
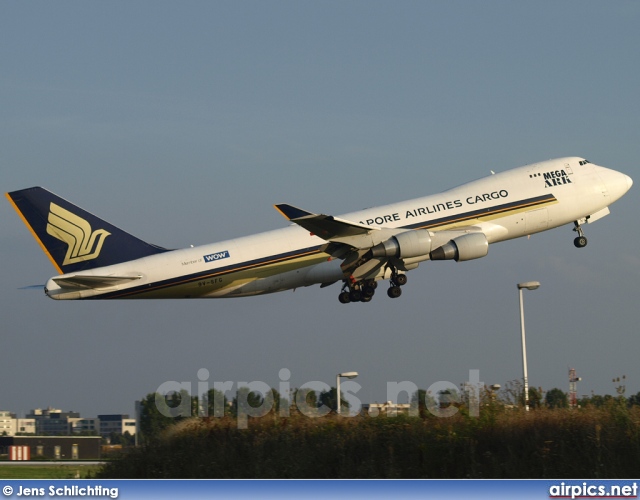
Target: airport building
{"type": "Point", "coordinates": [55, 447]}
{"type": "Point", "coordinates": [53, 434]}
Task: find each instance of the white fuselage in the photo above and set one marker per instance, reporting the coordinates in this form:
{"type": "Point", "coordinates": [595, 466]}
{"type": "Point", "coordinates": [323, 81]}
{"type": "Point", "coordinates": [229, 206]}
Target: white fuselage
{"type": "Point", "coordinates": [503, 206]}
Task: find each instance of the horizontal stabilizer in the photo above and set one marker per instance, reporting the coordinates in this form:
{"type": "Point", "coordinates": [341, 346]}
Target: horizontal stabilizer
{"type": "Point", "coordinates": [326, 227]}
{"type": "Point", "coordinates": [88, 282]}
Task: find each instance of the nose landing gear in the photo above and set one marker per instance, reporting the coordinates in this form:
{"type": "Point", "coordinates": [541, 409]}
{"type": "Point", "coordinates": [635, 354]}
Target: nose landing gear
{"type": "Point", "coordinates": [581, 240]}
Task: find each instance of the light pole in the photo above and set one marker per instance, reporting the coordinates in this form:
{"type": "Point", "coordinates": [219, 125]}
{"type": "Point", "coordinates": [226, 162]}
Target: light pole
{"type": "Point", "coordinates": [529, 285]}
{"type": "Point", "coordinates": [494, 390]}
{"type": "Point", "coordinates": [342, 375]}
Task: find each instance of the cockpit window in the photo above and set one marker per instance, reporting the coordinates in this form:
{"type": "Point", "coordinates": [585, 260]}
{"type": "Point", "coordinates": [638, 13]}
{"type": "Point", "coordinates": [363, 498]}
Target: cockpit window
{"type": "Point", "coordinates": [584, 162]}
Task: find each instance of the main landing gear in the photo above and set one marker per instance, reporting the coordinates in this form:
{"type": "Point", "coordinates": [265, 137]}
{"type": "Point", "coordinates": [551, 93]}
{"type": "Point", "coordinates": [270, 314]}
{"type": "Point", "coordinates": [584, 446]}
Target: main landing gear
{"type": "Point", "coordinates": [581, 240]}
{"type": "Point", "coordinates": [363, 291]}
{"type": "Point", "coordinates": [396, 281]}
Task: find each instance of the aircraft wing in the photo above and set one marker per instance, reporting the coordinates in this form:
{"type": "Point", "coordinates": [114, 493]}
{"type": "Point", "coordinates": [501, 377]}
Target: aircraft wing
{"type": "Point", "coordinates": [365, 249]}
{"type": "Point", "coordinates": [87, 282]}
{"type": "Point", "coordinates": [347, 240]}
{"type": "Point", "coordinates": [327, 227]}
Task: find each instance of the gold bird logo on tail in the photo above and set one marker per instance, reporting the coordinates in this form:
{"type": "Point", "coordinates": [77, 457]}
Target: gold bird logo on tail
{"type": "Point", "coordinates": [76, 233]}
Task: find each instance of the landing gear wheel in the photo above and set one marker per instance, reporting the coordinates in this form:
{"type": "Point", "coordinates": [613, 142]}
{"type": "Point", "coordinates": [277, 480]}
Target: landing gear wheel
{"type": "Point", "coordinates": [355, 295]}
{"type": "Point", "coordinates": [368, 291]}
{"type": "Point", "coordinates": [394, 292]}
{"type": "Point", "coordinates": [580, 242]}
{"type": "Point", "coordinates": [344, 298]}
{"type": "Point", "coordinates": [366, 298]}
{"type": "Point", "coordinates": [400, 279]}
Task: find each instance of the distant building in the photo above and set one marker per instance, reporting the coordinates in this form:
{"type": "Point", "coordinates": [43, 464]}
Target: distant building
{"type": "Point", "coordinates": [6, 423]}
{"type": "Point", "coordinates": [55, 422]}
{"type": "Point", "coordinates": [24, 426]}
{"type": "Point", "coordinates": [119, 423]}
{"type": "Point", "coordinates": [388, 409]}
{"type": "Point", "coordinates": [11, 426]}
{"type": "Point", "coordinates": [84, 425]}
{"type": "Point", "coordinates": [52, 422]}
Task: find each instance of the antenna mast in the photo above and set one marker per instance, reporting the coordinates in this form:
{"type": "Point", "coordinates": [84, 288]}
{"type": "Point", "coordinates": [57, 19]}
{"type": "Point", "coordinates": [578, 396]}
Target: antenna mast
{"type": "Point", "coordinates": [573, 388]}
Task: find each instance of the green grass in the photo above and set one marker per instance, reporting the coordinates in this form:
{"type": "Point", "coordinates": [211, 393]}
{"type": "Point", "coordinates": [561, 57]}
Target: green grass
{"type": "Point", "coordinates": [56, 471]}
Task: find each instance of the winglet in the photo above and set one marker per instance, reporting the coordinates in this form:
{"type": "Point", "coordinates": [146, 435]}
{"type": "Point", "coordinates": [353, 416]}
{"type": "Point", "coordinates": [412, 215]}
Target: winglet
{"type": "Point", "coordinates": [290, 212]}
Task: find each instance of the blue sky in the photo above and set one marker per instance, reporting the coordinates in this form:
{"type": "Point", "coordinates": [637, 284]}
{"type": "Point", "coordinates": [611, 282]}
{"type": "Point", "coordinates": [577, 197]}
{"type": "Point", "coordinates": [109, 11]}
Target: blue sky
{"type": "Point", "coordinates": [183, 123]}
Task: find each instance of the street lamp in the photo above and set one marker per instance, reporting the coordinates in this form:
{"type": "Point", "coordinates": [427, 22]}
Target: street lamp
{"type": "Point", "coordinates": [529, 285]}
{"type": "Point", "coordinates": [494, 392]}
{"type": "Point", "coordinates": [343, 375]}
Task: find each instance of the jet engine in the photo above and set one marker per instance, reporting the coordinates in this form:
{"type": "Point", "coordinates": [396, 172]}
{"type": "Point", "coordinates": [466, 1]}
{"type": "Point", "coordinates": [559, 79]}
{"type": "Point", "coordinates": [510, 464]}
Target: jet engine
{"type": "Point", "coordinates": [404, 245]}
{"type": "Point", "coordinates": [466, 247]}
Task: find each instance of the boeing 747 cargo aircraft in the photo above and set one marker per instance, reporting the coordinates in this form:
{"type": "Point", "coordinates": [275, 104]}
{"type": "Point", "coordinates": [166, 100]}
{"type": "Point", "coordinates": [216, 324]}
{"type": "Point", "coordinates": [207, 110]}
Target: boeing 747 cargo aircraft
{"type": "Point", "coordinates": [96, 260]}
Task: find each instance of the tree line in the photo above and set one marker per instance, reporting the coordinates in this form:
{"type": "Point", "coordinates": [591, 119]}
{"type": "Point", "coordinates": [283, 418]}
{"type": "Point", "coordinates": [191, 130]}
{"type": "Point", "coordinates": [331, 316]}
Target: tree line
{"type": "Point", "coordinates": [158, 411]}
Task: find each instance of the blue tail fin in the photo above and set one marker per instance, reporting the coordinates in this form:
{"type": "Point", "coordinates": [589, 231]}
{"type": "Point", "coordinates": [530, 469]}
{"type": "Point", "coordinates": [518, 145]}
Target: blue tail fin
{"type": "Point", "coordinates": [72, 238]}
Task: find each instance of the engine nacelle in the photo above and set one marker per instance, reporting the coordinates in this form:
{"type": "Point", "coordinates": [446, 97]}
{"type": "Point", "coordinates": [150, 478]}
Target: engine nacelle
{"type": "Point", "coordinates": [404, 245]}
{"type": "Point", "coordinates": [466, 247]}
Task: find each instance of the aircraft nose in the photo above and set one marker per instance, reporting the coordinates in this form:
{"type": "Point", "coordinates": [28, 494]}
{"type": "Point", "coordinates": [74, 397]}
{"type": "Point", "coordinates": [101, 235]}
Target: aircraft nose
{"type": "Point", "coordinates": [617, 183]}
